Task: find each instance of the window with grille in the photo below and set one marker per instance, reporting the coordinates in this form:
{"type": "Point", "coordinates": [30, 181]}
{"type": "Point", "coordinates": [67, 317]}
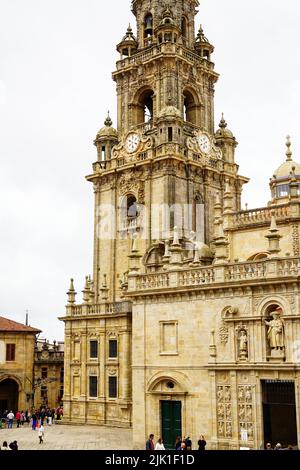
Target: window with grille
{"type": "Point", "coordinates": [10, 352]}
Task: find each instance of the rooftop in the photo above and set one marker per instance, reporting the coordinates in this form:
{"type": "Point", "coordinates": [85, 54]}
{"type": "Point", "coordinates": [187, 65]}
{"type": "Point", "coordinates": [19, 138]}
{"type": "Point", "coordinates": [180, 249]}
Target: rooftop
{"type": "Point", "coordinates": [9, 325]}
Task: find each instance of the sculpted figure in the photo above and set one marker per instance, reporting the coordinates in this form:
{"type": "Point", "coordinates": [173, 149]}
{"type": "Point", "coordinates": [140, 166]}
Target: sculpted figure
{"type": "Point", "coordinates": [276, 330]}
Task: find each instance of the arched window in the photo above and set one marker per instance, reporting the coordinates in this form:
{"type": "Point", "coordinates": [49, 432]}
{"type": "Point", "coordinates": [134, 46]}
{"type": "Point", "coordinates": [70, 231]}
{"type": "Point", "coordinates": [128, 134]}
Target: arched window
{"type": "Point", "coordinates": [132, 208]}
{"type": "Point", "coordinates": [184, 29]}
{"type": "Point", "coordinates": [144, 107]}
{"type": "Point", "coordinates": [148, 30]}
{"type": "Point", "coordinates": [190, 108]}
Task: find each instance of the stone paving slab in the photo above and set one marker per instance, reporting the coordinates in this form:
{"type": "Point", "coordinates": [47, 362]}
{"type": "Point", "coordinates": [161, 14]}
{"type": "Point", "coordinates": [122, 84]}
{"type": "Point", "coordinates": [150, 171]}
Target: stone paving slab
{"type": "Point", "coordinates": [66, 437]}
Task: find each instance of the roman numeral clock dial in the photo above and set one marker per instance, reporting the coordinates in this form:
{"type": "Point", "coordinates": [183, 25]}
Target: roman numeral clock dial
{"type": "Point", "coordinates": [204, 143]}
{"type": "Point", "coordinates": [132, 142]}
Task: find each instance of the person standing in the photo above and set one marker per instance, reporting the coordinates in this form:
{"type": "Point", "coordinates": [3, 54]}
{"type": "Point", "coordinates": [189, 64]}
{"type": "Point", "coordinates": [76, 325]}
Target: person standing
{"type": "Point", "coordinates": [10, 418]}
{"type": "Point", "coordinates": [150, 442]}
{"type": "Point", "coordinates": [201, 443]}
{"type": "Point", "coordinates": [160, 445]}
{"type": "Point", "coordinates": [178, 443]}
{"type": "Point", "coordinates": [34, 420]}
{"type": "Point", "coordinates": [188, 443]}
{"type": "Point", "coordinates": [18, 418]}
{"type": "Point", "coordinates": [5, 446]}
{"type": "Point", "coordinates": [41, 433]}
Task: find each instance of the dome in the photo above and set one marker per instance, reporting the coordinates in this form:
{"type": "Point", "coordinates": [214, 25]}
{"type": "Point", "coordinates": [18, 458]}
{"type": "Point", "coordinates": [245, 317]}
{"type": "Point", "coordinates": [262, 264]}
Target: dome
{"type": "Point", "coordinates": [285, 170]}
{"type": "Point", "coordinates": [170, 111]}
{"type": "Point", "coordinates": [107, 130]}
{"type": "Point", "coordinates": [223, 131]}
{"type": "Point", "coordinates": [289, 166]}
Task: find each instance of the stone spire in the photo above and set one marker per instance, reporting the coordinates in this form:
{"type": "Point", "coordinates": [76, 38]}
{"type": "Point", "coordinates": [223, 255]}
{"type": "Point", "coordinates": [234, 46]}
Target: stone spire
{"type": "Point", "coordinates": [71, 293]}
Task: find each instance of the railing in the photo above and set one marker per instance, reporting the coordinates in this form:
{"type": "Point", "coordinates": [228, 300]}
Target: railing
{"type": "Point", "coordinates": [245, 271]}
{"type": "Point", "coordinates": [261, 215]}
{"type": "Point", "coordinates": [153, 281]}
{"type": "Point", "coordinates": [197, 277]}
{"type": "Point", "coordinates": [153, 49]}
{"type": "Point", "coordinates": [218, 274]}
{"type": "Point", "coordinates": [100, 309]}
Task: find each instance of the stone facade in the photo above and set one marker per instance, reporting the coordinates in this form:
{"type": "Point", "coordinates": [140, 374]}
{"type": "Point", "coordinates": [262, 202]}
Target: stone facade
{"type": "Point", "coordinates": [17, 344]}
{"type": "Point", "coordinates": [202, 298]}
{"type": "Point", "coordinates": [49, 374]}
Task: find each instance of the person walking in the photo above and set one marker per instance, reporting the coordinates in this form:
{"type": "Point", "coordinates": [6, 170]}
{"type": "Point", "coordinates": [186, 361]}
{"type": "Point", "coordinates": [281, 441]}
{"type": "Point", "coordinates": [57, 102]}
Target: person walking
{"type": "Point", "coordinates": [160, 445]}
{"type": "Point", "coordinates": [201, 443]}
{"type": "Point", "coordinates": [10, 418]}
{"type": "Point", "coordinates": [41, 434]}
{"type": "Point", "coordinates": [150, 442]}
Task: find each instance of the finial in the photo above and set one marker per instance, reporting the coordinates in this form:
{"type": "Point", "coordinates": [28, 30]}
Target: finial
{"type": "Point", "coordinates": [289, 153]}
{"type": "Point", "coordinates": [223, 123]}
{"type": "Point", "coordinates": [71, 293]}
{"type": "Point", "coordinates": [108, 121]}
{"type": "Point", "coordinates": [201, 36]}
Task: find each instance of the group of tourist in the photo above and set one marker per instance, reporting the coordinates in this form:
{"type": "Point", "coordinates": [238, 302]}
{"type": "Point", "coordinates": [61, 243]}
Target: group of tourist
{"type": "Point", "coordinates": [278, 447]}
{"type": "Point", "coordinates": [12, 446]}
{"type": "Point", "coordinates": [37, 418]}
{"type": "Point", "coordinates": [184, 444]}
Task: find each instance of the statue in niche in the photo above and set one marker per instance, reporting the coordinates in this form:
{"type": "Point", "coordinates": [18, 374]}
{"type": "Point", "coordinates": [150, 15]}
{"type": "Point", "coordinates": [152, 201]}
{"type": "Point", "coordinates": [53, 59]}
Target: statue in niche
{"type": "Point", "coordinates": [243, 344]}
{"type": "Point", "coordinates": [275, 333]}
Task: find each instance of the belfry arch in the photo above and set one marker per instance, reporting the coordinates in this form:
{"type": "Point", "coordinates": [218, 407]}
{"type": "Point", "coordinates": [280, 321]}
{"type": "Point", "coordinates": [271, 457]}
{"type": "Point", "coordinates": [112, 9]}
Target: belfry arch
{"type": "Point", "coordinates": [143, 106]}
{"type": "Point", "coordinates": [191, 107]}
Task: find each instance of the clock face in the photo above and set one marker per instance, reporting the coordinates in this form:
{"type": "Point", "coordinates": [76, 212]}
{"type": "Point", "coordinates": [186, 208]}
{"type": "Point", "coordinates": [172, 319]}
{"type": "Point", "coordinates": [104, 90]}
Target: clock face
{"type": "Point", "coordinates": [204, 143]}
{"type": "Point", "coordinates": [45, 354]}
{"type": "Point", "coordinates": [132, 142]}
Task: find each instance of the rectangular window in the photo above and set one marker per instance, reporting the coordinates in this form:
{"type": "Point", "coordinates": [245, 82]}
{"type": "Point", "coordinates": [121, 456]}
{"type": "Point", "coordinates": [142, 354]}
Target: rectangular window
{"type": "Point", "coordinates": [94, 349]}
{"type": "Point", "coordinates": [103, 154]}
{"type": "Point", "coordinates": [62, 375]}
{"type": "Point", "coordinates": [170, 134]}
{"type": "Point", "coordinates": [113, 387]}
{"type": "Point", "coordinates": [113, 348]}
{"type": "Point", "coordinates": [44, 372]}
{"type": "Point", "coordinates": [10, 352]}
{"type": "Point", "coordinates": [93, 387]}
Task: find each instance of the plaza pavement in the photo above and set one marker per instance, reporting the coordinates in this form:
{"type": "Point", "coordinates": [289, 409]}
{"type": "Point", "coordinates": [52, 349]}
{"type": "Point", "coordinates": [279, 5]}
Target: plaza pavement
{"type": "Point", "coordinates": [65, 437]}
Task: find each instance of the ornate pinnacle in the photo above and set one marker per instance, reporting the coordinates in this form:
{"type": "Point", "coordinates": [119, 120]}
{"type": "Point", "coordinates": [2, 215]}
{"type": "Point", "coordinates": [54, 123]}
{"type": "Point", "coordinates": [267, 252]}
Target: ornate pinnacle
{"type": "Point", "coordinates": [201, 36]}
{"type": "Point", "coordinates": [108, 121]}
{"type": "Point", "coordinates": [289, 153]}
{"type": "Point", "coordinates": [72, 293]}
{"type": "Point", "coordinates": [223, 123]}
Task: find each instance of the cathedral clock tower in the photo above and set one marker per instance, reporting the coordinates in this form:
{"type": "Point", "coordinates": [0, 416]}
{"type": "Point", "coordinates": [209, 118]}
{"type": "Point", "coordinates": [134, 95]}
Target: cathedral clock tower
{"type": "Point", "coordinates": [164, 165]}
{"type": "Point", "coordinates": [158, 179]}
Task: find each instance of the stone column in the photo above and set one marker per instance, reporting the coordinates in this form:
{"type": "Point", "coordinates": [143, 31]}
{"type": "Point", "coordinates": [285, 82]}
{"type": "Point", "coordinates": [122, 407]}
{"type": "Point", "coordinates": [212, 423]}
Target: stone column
{"type": "Point", "coordinates": [234, 410]}
{"type": "Point", "coordinates": [125, 366]}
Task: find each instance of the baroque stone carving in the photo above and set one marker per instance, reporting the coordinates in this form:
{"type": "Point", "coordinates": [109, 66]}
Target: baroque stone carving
{"type": "Point", "coordinates": [224, 333]}
{"type": "Point", "coordinates": [296, 240]}
{"type": "Point", "coordinates": [245, 410]}
{"type": "Point", "coordinates": [224, 411]}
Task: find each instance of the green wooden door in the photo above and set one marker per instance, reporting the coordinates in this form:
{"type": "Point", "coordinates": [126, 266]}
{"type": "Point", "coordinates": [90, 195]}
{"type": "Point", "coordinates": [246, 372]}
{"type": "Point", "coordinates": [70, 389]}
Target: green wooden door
{"type": "Point", "coordinates": [171, 422]}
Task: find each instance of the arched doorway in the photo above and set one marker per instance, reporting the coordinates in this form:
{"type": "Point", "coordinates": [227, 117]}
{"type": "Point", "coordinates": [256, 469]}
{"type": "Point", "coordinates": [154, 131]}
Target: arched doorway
{"type": "Point", "coordinates": [9, 395]}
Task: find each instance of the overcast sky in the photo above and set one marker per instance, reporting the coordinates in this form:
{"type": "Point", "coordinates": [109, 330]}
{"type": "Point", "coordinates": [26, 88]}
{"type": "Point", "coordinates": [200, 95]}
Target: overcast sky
{"type": "Point", "coordinates": [56, 59]}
